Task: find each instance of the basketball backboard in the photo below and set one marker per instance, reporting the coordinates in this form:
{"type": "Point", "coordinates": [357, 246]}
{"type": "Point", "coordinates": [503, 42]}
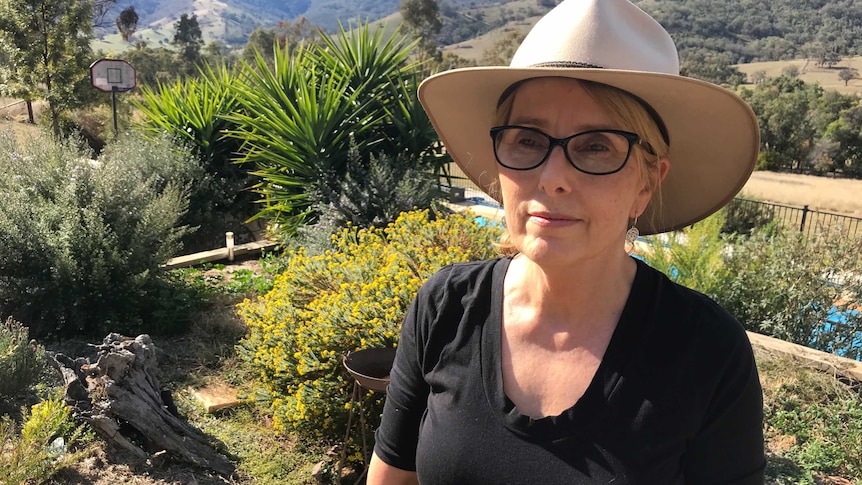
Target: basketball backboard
{"type": "Point", "coordinates": [112, 75]}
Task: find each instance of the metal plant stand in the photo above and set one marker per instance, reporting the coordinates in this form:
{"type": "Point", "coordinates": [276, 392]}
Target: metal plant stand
{"type": "Point", "coordinates": [370, 370]}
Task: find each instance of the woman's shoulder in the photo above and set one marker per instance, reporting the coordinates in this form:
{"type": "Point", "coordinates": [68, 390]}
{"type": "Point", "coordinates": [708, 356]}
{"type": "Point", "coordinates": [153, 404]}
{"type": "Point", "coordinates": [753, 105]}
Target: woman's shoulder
{"type": "Point", "coordinates": [686, 316]}
{"type": "Point", "coordinates": [465, 275]}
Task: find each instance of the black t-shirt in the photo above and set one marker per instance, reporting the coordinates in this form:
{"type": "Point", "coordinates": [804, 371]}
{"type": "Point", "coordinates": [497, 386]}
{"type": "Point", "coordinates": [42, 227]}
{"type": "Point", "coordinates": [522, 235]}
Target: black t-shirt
{"type": "Point", "coordinates": [676, 398]}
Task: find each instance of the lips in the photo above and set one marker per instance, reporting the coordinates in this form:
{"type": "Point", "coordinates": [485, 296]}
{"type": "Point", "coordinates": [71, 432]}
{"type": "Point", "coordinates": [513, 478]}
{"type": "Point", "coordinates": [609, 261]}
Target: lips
{"type": "Point", "coordinates": [551, 218]}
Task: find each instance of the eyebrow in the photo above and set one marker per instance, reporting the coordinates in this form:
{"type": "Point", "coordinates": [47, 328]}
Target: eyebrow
{"type": "Point", "coordinates": [542, 124]}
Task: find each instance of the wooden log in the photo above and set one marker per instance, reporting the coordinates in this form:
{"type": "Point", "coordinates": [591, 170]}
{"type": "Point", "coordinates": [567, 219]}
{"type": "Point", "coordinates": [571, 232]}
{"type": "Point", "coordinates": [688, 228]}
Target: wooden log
{"type": "Point", "coordinates": [121, 398]}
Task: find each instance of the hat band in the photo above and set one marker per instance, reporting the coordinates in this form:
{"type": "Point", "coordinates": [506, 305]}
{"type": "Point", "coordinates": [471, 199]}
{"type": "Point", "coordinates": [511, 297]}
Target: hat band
{"type": "Point", "coordinates": [568, 64]}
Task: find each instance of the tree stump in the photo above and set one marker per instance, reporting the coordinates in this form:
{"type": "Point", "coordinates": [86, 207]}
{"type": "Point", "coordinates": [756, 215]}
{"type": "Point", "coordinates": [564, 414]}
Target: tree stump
{"type": "Point", "coordinates": [120, 397]}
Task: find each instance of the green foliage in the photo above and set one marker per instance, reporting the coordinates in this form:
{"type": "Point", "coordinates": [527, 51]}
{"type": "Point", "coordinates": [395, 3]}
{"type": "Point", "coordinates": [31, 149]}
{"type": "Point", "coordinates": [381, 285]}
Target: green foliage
{"type": "Point", "coordinates": [692, 257]}
{"type": "Point", "coordinates": [374, 194]}
{"type": "Point", "coordinates": [422, 18]}
{"type": "Point", "coordinates": [303, 116]}
{"type": "Point", "coordinates": [352, 297]}
{"type": "Point", "coordinates": [194, 111]}
{"type": "Point", "coordinates": [712, 67]}
{"type": "Point", "coordinates": [784, 285]}
{"type": "Point", "coordinates": [744, 216]}
{"type": "Point", "coordinates": [21, 361]}
{"type": "Point", "coordinates": [46, 46]}
{"type": "Point", "coordinates": [760, 31]}
{"type": "Point", "coordinates": [778, 283]}
{"type": "Point", "coordinates": [153, 65]}
{"type": "Point", "coordinates": [814, 423]}
{"type": "Point", "coordinates": [46, 443]}
{"type": "Point", "coordinates": [847, 134]}
{"type": "Point", "coordinates": [188, 38]}
{"type": "Point", "coordinates": [81, 241]}
{"type": "Point", "coordinates": [800, 124]}
{"type": "Point", "coordinates": [127, 22]}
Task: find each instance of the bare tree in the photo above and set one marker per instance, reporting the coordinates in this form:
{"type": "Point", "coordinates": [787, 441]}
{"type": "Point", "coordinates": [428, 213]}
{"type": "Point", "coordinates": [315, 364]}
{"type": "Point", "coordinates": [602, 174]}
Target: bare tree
{"type": "Point", "coordinates": [100, 11]}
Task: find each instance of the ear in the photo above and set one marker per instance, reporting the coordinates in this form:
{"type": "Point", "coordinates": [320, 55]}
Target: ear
{"type": "Point", "coordinates": [649, 187]}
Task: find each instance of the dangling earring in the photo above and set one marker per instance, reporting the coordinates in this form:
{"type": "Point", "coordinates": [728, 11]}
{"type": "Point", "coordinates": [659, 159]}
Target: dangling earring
{"type": "Point", "coordinates": [632, 236]}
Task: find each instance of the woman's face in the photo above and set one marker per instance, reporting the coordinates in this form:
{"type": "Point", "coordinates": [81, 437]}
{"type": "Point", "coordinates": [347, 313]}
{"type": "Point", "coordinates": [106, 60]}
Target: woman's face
{"type": "Point", "coordinates": [557, 215]}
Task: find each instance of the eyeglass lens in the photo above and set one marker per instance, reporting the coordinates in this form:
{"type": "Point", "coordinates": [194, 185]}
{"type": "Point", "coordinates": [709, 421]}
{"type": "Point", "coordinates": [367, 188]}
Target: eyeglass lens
{"type": "Point", "coordinates": [596, 152]}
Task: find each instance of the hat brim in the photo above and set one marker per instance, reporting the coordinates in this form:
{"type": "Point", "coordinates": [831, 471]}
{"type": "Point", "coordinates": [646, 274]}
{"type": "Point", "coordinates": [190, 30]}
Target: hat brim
{"type": "Point", "coordinates": [714, 137]}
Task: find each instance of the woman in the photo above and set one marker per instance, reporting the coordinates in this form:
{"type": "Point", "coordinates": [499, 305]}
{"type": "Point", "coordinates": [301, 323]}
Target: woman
{"type": "Point", "coordinates": [570, 361]}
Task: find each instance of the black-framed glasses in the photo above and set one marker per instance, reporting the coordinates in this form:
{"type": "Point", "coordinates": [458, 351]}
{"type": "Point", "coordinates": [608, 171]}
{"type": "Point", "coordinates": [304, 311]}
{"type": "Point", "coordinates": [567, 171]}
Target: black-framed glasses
{"type": "Point", "coordinates": [595, 152]}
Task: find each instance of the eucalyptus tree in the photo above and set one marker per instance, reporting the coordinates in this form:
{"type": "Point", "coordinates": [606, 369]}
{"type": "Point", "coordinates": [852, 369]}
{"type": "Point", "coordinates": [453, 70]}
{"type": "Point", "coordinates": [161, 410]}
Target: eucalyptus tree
{"type": "Point", "coordinates": [46, 46]}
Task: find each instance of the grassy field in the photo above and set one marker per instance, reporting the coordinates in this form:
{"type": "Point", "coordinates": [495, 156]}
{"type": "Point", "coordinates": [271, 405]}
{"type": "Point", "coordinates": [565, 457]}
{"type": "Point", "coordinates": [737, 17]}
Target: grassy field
{"type": "Point", "coordinates": [808, 72]}
{"type": "Point", "coordinates": [819, 193]}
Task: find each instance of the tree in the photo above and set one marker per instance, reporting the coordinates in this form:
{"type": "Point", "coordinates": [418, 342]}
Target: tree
{"type": "Point", "coordinates": [715, 68]}
{"type": "Point", "coordinates": [189, 39]}
{"type": "Point", "coordinates": [501, 53]}
{"type": "Point", "coordinates": [791, 71]}
{"type": "Point", "coordinates": [260, 42]}
{"type": "Point", "coordinates": [127, 22]}
{"type": "Point", "coordinates": [289, 35]}
{"type": "Point", "coordinates": [422, 18]}
{"type": "Point", "coordinates": [153, 66]}
{"type": "Point", "coordinates": [47, 49]}
{"type": "Point", "coordinates": [784, 109]}
{"type": "Point", "coordinates": [847, 74]}
{"type": "Point", "coordinates": [759, 77]}
{"type": "Point", "coordinates": [847, 152]}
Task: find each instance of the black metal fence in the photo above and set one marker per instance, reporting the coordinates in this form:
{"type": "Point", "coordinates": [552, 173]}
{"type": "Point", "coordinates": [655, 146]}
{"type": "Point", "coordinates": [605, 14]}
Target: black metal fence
{"type": "Point", "coordinates": [747, 214]}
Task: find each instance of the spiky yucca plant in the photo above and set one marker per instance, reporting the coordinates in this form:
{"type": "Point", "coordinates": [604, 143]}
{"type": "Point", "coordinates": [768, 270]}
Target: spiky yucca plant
{"type": "Point", "coordinates": [302, 116]}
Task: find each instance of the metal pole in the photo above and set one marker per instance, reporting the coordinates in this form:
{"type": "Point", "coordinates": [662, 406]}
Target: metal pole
{"type": "Point", "coordinates": [114, 107]}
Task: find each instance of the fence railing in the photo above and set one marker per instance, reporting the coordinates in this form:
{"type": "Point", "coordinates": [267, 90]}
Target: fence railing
{"type": "Point", "coordinates": [753, 213]}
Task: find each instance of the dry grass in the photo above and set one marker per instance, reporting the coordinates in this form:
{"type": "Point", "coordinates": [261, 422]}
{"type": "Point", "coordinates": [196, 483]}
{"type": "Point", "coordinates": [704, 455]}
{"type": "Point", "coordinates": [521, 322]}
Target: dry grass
{"type": "Point", "coordinates": [819, 193]}
{"type": "Point", "coordinates": [827, 78]}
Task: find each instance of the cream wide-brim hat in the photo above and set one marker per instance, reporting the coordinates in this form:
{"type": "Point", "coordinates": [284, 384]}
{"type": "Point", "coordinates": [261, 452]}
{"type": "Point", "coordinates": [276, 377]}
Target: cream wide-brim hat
{"type": "Point", "coordinates": [713, 134]}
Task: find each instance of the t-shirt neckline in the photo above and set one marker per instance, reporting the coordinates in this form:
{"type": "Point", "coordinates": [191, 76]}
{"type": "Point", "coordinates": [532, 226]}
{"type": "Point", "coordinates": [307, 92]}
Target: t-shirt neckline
{"type": "Point", "coordinates": [594, 401]}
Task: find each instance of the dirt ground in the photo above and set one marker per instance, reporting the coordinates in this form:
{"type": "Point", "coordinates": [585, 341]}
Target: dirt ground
{"type": "Point", "coordinates": [106, 466]}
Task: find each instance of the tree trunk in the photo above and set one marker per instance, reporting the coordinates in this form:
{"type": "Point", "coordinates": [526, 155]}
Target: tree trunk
{"type": "Point", "coordinates": [120, 397]}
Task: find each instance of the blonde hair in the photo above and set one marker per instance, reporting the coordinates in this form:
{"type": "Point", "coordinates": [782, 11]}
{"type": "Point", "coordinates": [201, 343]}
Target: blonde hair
{"type": "Point", "coordinates": [633, 115]}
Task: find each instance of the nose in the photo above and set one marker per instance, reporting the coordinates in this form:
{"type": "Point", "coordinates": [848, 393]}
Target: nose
{"type": "Point", "coordinates": [555, 178]}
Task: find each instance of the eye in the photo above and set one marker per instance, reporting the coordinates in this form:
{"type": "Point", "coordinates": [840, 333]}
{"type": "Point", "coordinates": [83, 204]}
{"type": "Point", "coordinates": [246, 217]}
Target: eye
{"type": "Point", "coordinates": [529, 139]}
{"type": "Point", "coordinates": [597, 144]}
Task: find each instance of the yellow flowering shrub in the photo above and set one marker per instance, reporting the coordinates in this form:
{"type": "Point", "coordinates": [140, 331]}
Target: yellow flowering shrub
{"type": "Point", "coordinates": [350, 298]}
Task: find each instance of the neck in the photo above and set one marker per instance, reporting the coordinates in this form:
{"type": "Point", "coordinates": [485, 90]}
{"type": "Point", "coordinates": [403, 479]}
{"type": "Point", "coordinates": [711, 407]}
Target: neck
{"type": "Point", "coordinates": [593, 293]}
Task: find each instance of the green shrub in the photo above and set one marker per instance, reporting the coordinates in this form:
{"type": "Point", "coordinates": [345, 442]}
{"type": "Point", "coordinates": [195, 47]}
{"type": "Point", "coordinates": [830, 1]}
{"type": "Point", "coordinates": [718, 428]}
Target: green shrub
{"type": "Point", "coordinates": [81, 241]}
{"type": "Point", "coordinates": [742, 217]}
{"type": "Point", "coordinates": [785, 284]}
{"type": "Point", "coordinates": [47, 442]}
{"type": "Point", "coordinates": [376, 192]}
{"type": "Point", "coordinates": [193, 110]}
{"type": "Point", "coordinates": [692, 257]}
{"type": "Point", "coordinates": [21, 361]}
{"type": "Point", "coordinates": [814, 422]}
{"type": "Point", "coordinates": [350, 298]}
{"type": "Point", "coordinates": [775, 282]}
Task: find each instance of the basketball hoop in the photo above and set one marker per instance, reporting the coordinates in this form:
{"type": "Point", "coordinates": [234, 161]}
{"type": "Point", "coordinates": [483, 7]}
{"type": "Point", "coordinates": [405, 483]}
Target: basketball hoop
{"type": "Point", "coordinates": [113, 76]}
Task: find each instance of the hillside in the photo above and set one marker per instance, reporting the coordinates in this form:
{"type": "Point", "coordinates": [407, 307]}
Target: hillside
{"type": "Point", "coordinates": [231, 21]}
{"type": "Point", "coordinates": [747, 31]}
